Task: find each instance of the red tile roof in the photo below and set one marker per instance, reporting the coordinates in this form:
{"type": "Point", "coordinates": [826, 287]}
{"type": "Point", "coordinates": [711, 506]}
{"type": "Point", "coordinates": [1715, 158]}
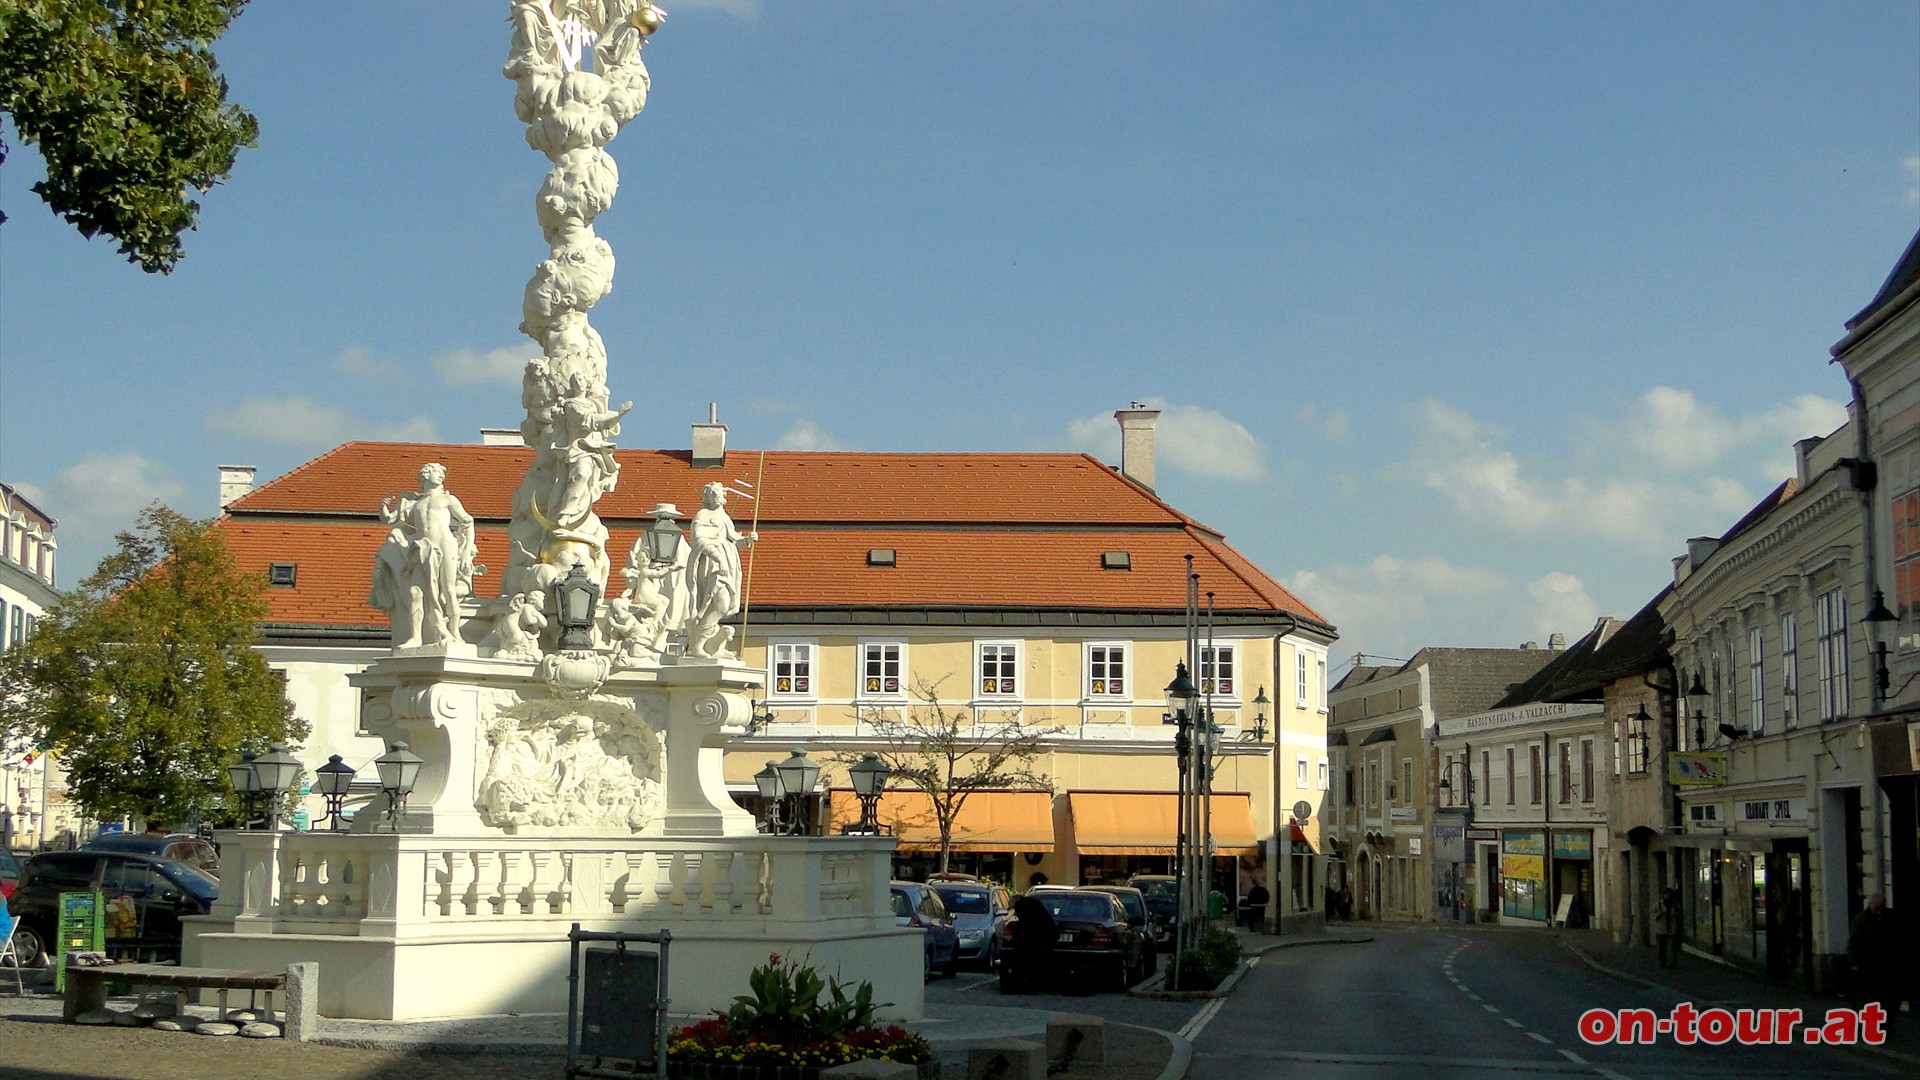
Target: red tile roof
{"type": "Point", "coordinates": [999, 531]}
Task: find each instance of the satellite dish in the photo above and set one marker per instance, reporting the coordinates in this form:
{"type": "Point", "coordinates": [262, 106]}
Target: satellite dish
{"type": "Point", "coordinates": [1303, 810]}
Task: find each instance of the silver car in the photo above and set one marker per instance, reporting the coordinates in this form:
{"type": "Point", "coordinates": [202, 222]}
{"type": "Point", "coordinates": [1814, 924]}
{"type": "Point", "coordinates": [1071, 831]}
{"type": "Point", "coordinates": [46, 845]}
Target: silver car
{"type": "Point", "coordinates": [979, 914]}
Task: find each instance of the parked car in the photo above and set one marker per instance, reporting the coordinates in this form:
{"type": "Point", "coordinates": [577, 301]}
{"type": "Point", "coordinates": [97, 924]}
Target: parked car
{"type": "Point", "coordinates": [1093, 944]}
{"type": "Point", "coordinates": [979, 913]}
{"type": "Point", "coordinates": [153, 894]}
{"type": "Point", "coordinates": [1138, 917]}
{"type": "Point", "coordinates": [180, 847]}
{"type": "Point", "coordinates": [9, 874]}
{"type": "Point", "coordinates": [1162, 893]}
{"type": "Point", "coordinates": [916, 904]}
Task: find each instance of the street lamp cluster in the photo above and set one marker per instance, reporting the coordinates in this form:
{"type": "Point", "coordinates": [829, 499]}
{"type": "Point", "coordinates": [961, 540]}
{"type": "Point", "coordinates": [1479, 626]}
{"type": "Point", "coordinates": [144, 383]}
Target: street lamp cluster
{"type": "Point", "coordinates": [785, 787]}
{"type": "Point", "coordinates": [262, 782]}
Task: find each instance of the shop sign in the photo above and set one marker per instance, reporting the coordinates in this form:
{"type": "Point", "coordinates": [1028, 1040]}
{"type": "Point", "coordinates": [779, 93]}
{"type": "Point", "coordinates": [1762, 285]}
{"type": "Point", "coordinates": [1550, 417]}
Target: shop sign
{"type": "Point", "coordinates": [1773, 810]}
{"type": "Point", "coordinates": [1524, 843]}
{"type": "Point", "coordinates": [1404, 813]}
{"type": "Point", "coordinates": [1413, 845]}
{"type": "Point", "coordinates": [1697, 768]}
{"type": "Point", "coordinates": [1572, 844]}
{"type": "Point", "coordinates": [1527, 867]}
{"type": "Point", "coordinates": [1481, 832]}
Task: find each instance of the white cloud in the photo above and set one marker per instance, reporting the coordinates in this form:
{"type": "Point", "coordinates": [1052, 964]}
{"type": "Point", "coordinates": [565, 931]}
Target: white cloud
{"type": "Point", "coordinates": [359, 363]}
{"type": "Point", "coordinates": [1191, 438]}
{"type": "Point", "coordinates": [1666, 467]}
{"type": "Point", "coordinates": [807, 435]}
{"type": "Point", "coordinates": [303, 422]}
{"type": "Point", "coordinates": [501, 367]}
{"type": "Point", "coordinates": [100, 496]}
{"type": "Point", "coordinates": [1332, 424]}
{"type": "Point", "coordinates": [1564, 607]}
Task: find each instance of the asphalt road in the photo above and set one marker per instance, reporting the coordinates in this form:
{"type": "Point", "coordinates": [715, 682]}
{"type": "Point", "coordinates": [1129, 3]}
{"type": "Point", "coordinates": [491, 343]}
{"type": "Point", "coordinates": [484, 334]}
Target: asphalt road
{"type": "Point", "coordinates": [1432, 1003]}
{"type": "Point", "coordinates": [1438, 1003]}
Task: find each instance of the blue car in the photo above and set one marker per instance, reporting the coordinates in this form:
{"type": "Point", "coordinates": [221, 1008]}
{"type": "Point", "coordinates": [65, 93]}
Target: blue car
{"type": "Point", "coordinates": [917, 905]}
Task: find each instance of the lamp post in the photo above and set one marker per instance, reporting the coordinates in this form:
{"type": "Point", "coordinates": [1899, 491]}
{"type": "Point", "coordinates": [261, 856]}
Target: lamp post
{"type": "Point", "coordinates": [1697, 705]}
{"type": "Point", "coordinates": [246, 785]}
{"type": "Point", "coordinates": [399, 768]}
{"type": "Point", "coordinates": [332, 781]}
{"type": "Point", "coordinates": [1181, 707]}
{"type": "Point", "coordinates": [574, 599]}
{"type": "Point", "coordinates": [1877, 617]}
{"type": "Point", "coordinates": [798, 774]}
{"type": "Point", "coordinates": [1260, 703]}
{"type": "Point", "coordinates": [869, 778]}
{"type": "Point", "coordinates": [275, 772]}
{"type": "Point", "coordinates": [767, 781]}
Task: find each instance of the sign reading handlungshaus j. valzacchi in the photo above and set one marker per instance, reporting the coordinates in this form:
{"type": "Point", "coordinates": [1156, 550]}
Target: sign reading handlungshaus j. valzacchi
{"type": "Point", "coordinates": [1543, 712]}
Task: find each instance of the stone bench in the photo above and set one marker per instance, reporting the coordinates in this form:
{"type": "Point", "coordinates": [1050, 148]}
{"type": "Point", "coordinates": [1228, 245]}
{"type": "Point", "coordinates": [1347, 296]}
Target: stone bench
{"type": "Point", "coordinates": [86, 988]}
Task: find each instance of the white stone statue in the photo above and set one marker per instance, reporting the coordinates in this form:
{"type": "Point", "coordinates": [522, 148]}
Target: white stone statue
{"type": "Point", "coordinates": [517, 629]}
{"type": "Point", "coordinates": [571, 114]}
{"type": "Point", "coordinates": [713, 574]}
{"type": "Point", "coordinates": [425, 567]}
{"type": "Point", "coordinates": [554, 764]}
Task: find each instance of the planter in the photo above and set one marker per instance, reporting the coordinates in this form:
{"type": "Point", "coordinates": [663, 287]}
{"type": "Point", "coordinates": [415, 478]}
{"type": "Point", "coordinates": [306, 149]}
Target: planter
{"type": "Point", "coordinates": [714, 1070]}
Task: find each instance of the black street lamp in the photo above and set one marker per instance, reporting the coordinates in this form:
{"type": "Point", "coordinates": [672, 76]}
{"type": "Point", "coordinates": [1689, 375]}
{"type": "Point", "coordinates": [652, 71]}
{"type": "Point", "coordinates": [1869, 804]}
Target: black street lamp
{"type": "Point", "coordinates": [869, 778]}
{"type": "Point", "coordinates": [1260, 702]}
{"type": "Point", "coordinates": [246, 785]}
{"type": "Point", "coordinates": [399, 769]}
{"type": "Point", "coordinates": [798, 774]}
{"type": "Point", "coordinates": [332, 781]}
{"type": "Point", "coordinates": [1182, 710]}
{"type": "Point", "coordinates": [574, 599]}
{"type": "Point", "coordinates": [767, 782]}
{"type": "Point", "coordinates": [1697, 704]}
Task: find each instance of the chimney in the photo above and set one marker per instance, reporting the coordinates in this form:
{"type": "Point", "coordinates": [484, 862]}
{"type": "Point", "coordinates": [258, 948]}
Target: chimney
{"type": "Point", "coordinates": [1700, 548]}
{"type": "Point", "coordinates": [1136, 443]}
{"type": "Point", "coordinates": [501, 436]}
{"type": "Point", "coordinates": [710, 440]}
{"type": "Point", "coordinates": [235, 481]}
{"type": "Point", "coordinates": [1556, 642]}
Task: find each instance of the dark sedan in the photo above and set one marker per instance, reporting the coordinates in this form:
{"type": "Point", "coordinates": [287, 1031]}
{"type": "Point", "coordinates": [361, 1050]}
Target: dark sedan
{"type": "Point", "coordinates": [1077, 938]}
{"type": "Point", "coordinates": [149, 896]}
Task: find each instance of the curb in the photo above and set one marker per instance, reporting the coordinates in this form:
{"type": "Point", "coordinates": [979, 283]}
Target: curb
{"type": "Point", "coordinates": [1144, 990]}
{"type": "Point", "coordinates": [1182, 1058]}
{"type": "Point", "coordinates": [1605, 969]}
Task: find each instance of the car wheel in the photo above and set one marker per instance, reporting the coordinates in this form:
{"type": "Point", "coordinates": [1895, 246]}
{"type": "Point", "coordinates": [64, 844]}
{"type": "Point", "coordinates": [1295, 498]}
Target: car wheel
{"type": "Point", "coordinates": [28, 947]}
{"type": "Point", "coordinates": [993, 956]}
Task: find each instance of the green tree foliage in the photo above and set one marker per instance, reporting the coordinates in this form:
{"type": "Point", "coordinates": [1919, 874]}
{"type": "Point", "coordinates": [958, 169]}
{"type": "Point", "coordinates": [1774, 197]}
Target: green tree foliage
{"type": "Point", "coordinates": [125, 102]}
{"type": "Point", "coordinates": [146, 676]}
{"type": "Point", "coordinates": [941, 750]}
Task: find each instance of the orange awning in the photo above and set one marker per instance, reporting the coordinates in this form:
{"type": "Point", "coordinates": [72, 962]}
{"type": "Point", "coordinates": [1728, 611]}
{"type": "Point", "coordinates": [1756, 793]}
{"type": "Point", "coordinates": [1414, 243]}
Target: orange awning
{"type": "Point", "coordinates": [989, 820]}
{"type": "Point", "coordinates": [1148, 823]}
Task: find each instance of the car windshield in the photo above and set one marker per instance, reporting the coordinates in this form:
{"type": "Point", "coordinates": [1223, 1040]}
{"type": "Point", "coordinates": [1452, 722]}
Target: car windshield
{"type": "Point", "coordinates": [902, 905]}
{"type": "Point", "coordinates": [199, 884]}
{"type": "Point", "coordinates": [1158, 890]}
{"type": "Point", "coordinates": [965, 901]}
{"type": "Point", "coordinates": [1136, 907]}
{"type": "Point", "coordinates": [1077, 907]}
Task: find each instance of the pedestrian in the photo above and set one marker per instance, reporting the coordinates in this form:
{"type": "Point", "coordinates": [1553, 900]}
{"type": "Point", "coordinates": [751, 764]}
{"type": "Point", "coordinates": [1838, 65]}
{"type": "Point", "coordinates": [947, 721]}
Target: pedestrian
{"type": "Point", "coordinates": [1872, 948]}
{"type": "Point", "coordinates": [1255, 907]}
{"type": "Point", "coordinates": [1346, 903]}
{"type": "Point", "coordinates": [1034, 934]}
{"type": "Point", "coordinates": [1666, 927]}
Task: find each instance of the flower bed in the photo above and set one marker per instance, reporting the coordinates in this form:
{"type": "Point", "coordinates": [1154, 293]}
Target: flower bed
{"type": "Point", "coordinates": [784, 1031]}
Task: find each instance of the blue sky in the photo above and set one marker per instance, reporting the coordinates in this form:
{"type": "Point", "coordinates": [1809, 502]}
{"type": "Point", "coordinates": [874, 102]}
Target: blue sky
{"type": "Point", "coordinates": [1464, 315]}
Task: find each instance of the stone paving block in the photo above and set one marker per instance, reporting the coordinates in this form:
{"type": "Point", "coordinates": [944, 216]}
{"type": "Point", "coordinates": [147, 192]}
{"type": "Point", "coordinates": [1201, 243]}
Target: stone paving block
{"type": "Point", "coordinates": [1089, 1048]}
{"type": "Point", "coordinates": [302, 1001]}
{"type": "Point", "coordinates": [1007, 1059]}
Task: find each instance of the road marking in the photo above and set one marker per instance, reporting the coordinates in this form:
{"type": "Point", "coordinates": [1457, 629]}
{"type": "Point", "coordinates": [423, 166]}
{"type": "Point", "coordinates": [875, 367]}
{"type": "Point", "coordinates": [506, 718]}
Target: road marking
{"type": "Point", "coordinates": [1491, 1008]}
{"type": "Point", "coordinates": [984, 980]}
{"type": "Point", "coordinates": [1511, 1021]}
{"type": "Point", "coordinates": [1471, 994]}
{"type": "Point", "coordinates": [1191, 1030]}
{"type": "Point", "coordinates": [1573, 1057]}
{"type": "Point", "coordinates": [1470, 1066]}
{"type": "Point", "coordinates": [1539, 1038]}
{"type": "Point", "coordinates": [1610, 1074]}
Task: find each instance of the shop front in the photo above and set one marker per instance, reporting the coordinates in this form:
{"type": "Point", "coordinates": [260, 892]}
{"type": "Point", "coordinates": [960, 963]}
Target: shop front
{"type": "Point", "coordinates": [1523, 875]}
{"type": "Point", "coordinates": [1571, 873]}
{"type": "Point", "coordinates": [1117, 834]}
{"type": "Point", "coordinates": [1001, 835]}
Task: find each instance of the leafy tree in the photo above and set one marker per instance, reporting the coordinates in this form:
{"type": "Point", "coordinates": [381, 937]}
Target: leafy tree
{"type": "Point", "coordinates": [146, 676]}
{"type": "Point", "coordinates": [125, 102]}
{"type": "Point", "coordinates": [939, 749]}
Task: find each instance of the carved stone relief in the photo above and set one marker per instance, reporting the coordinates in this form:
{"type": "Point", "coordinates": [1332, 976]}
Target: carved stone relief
{"type": "Point", "coordinates": [563, 764]}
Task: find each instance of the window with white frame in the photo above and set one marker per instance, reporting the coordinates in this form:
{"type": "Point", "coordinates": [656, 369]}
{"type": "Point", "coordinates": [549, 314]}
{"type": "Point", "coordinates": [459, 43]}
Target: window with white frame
{"type": "Point", "coordinates": [1325, 777]}
{"type": "Point", "coordinates": [1217, 669]}
{"type": "Point", "coordinates": [1320, 680]}
{"type": "Point", "coordinates": [792, 674]}
{"type": "Point", "coordinates": [1636, 740]}
{"type": "Point", "coordinates": [1789, 670]}
{"type": "Point", "coordinates": [1906, 552]}
{"type": "Point", "coordinates": [1756, 681]}
{"type": "Point", "coordinates": [1107, 671]}
{"type": "Point", "coordinates": [882, 669]}
{"type": "Point", "coordinates": [1300, 771]}
{"type": "Point", "coordinates": [999, 670]}
{"type": "Point", "coordinates": [1300, 678]}
{"type": "Point", "coordinates": [1830, 624]}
